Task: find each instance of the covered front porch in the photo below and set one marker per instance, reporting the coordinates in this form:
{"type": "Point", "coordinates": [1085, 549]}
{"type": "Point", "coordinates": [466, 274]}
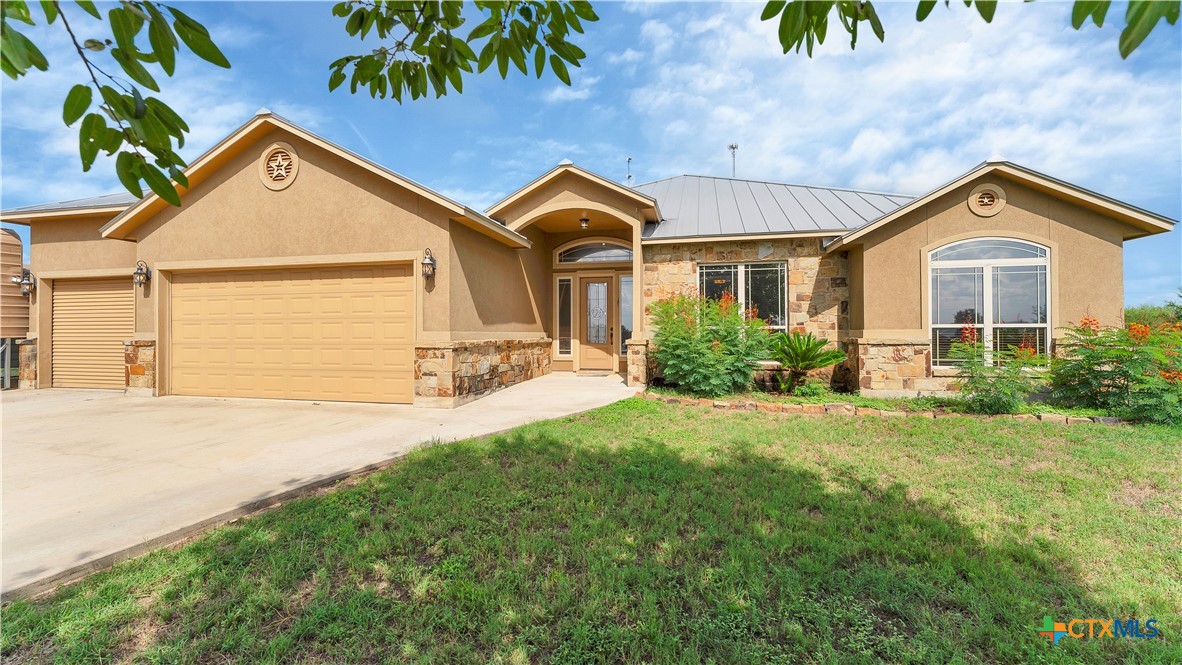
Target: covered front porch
{"type": "Point", "coordinates": [586, 233]}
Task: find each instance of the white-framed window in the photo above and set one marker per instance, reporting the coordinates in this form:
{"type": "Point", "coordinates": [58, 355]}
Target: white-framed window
{"type": "Point", "coordinates": [625, 296]}
{"type": "Point", "coordinates": [762, 287]}
{"type": "Point", "coordinates": [998, 286]}
{"type": "Point", "coordinates": [565, 315]}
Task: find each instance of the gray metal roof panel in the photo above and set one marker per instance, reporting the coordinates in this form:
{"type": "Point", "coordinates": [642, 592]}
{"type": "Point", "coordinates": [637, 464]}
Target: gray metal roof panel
{"type": "Point", "coordinates": [119, 199]}
{"type": "Point", "coordinates": [697, 206]}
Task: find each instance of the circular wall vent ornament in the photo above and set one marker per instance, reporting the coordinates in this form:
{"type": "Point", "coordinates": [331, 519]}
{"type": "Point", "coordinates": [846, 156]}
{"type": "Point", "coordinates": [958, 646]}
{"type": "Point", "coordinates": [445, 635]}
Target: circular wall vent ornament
{"type": "Point", "coordinates": [987, 200]}
{"type": "Point", "coordinates": [278, 166]}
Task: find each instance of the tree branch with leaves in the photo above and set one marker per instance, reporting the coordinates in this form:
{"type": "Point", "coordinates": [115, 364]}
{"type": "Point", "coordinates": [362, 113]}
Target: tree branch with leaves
{"type": "Point", "coordinates": [116, 116]}
{"type": "Point", "coordinates": [422, 51]}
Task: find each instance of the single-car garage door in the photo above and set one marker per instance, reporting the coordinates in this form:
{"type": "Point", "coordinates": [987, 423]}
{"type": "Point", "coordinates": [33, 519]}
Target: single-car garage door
{"type": "Point", "coordinates": [342, 333]}
{"type": "Point", "coordinates": [91, 319]}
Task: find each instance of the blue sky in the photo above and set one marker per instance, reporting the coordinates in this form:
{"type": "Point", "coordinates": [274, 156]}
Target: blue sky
{"type": "Point", "coordinates": [672, 84]}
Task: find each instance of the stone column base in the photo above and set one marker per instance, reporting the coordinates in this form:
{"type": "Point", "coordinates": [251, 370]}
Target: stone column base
{"type": "Point", "coordinates": [139, 357]}
{"type": "Point", "coordinates": [27, 362]}
{"type": "Point", "coordinates": [897, 368]}
{"type": "Point", "coordinates": [638, 373]}
{"type": "Point", "coordinates": [449, 374]}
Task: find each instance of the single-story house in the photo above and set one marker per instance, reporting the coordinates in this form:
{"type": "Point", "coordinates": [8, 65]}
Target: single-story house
{"type": "Point", "coordinates": [298, 269]}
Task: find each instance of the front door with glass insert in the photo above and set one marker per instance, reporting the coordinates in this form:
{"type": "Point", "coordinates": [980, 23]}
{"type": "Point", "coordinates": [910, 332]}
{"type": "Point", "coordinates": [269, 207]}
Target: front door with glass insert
{"type": "Point", "coordinates": [596, 327]}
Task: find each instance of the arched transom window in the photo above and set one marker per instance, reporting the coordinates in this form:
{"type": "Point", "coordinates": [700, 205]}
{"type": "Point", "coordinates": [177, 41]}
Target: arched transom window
{"type": "Point", "coordinates": [998, 286]}
{"type": "Point", "coordinates": [596, 252]}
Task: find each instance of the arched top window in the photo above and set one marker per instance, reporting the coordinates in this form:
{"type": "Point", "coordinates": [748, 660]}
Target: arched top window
{"type": "Point", "coordinates": [600, 251]}
{"type": "Point", "coordinates": [989, 249]}
{"type": "Point", "coordinates": [999, 288]}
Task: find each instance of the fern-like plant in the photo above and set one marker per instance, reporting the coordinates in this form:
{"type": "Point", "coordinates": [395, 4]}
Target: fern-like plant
{"type": "Point", "coordinates": [707, 347]}
{"type": "Point", "coordinates": [800, 354]}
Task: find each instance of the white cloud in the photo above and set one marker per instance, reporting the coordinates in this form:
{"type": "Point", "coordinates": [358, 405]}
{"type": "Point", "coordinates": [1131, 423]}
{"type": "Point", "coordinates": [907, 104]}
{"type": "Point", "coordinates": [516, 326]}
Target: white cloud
{"type": "Point", "coordinates": [581, 88]}
{"type": "Point", "coordinates": [938, 98]}
{"type": "Point", "coordinates": [659, 35]}
{"type": "Point", "coordinates": [627, 56]}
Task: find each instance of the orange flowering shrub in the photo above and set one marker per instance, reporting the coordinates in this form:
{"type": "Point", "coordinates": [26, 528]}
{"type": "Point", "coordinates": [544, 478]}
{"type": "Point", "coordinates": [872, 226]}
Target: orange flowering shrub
{"type": "Point", "coordinates": [706, 346]}
{"type": "Point", "coordinates": [1134, 372]}
{"type": "Point", "coordinates": [968, 335]}
{"type": "Point", "coordinates": [1139, 332]}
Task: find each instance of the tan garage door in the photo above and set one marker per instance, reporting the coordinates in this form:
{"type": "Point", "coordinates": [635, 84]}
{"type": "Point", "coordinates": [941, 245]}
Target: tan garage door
{"type": "Point", "coordinates": [91, 319]}
{"type": "Point", "coordinates": [343, 333]}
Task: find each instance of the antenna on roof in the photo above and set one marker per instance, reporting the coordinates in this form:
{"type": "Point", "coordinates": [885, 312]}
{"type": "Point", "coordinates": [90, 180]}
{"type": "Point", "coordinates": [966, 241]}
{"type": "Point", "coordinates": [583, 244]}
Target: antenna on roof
{"type": "Point", "coordinates": [734, 148]}
{"type": "Point", "coordinates": [628, 180]}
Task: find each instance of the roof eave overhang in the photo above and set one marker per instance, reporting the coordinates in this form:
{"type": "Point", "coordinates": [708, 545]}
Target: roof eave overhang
{"type": "Point", "coordinates": [741, 237]}
{"type": "Point", "coordinates": [1141, 222]}
{"type": "Point", "coordinates": [493, 229]}
{"type": "Point", "coordinates": [25, 218]}
{"type": "Point", "coordinates": [647, 203]}
{"type": "Point", "coordinates": [123, 225]}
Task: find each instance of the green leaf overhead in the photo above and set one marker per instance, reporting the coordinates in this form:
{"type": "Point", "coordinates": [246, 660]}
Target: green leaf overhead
{"type": "Point", "coordinates": [422, 49]}
{"type": "Point", "coordinates": [77, 101]}
{"type": "Point", "coordinates": [412, 49]}
{"type": "Point", "coordinates": [803, 22]}
{"type": "Point", "coordinates": [143, 133]}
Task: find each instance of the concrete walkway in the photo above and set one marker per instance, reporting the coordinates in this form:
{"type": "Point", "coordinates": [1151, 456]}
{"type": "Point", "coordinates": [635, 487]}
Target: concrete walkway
{"type": "Point", "coordinates": [88, 474]}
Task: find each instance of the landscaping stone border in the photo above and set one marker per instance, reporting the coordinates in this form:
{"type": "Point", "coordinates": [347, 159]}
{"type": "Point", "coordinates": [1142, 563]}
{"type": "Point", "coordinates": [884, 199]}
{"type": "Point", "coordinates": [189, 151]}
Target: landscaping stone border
{"type": "Point", "coordinates": [847, 409]}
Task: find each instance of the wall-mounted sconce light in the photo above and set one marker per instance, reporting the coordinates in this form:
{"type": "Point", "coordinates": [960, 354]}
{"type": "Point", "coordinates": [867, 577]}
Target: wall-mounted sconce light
{"type": "Point", "coordinates": [584, 223]}
{"type": "Point", "coordinates": [26, 280]}
{"type": "Point", "coordinates": [142, 274]}
{"type": "Point", "coordinates": [428, 264]}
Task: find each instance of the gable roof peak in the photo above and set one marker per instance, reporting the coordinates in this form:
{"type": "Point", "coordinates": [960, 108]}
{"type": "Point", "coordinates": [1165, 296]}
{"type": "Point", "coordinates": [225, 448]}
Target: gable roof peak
{"type": "Point", "coordinates": [263, 110]}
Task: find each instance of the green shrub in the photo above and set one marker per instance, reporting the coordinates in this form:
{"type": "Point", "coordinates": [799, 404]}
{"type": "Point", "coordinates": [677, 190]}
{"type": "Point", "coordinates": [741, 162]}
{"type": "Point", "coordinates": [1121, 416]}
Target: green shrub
{"type": "Point", "coordinates": [1155, 315]}
{"type": "Point", "coordinates": [707, 347]}
{"type": "Point", "coordinates": [810, 389]}
{"type": "Point", "coordinates": [800, 354]}
{"type": "Point", "coordinates": [1133, 372]}
{"type": "Point", "coordinates": [999, 384]}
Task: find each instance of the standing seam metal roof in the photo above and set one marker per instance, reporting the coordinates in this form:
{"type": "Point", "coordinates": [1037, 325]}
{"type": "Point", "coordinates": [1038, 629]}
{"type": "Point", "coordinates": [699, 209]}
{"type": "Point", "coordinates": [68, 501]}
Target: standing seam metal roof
{"type": "Point", "coordinates": [697, 206]}
{"type": "Point", "coordinates": [120, 199]}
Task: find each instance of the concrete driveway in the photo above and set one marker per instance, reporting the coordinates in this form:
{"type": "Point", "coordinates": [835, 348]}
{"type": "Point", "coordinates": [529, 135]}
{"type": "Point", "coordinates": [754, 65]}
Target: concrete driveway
{"type": "Point", "coordinates": [88, 474]}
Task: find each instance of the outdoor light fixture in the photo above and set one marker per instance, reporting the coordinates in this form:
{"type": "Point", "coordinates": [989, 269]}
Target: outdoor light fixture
{"type": "Point", "coordinates": [142, 274]}
{"type": "Point", "coordinates": [26, 280]}
{"type": "Point", "coordinates": [428, 264]}
{"type": "Point", "coordinates": [584, 223]}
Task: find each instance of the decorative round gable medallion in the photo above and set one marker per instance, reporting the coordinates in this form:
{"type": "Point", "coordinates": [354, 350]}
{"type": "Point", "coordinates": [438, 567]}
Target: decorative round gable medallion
{"type": "Point", "coordinates": [278, 166]}
{"type": "Point", "coordinates": [987, 200]}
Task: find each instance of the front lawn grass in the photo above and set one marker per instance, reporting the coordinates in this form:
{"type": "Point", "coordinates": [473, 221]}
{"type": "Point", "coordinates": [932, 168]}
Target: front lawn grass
{"type": "Point", "coordinates": [648, 532]}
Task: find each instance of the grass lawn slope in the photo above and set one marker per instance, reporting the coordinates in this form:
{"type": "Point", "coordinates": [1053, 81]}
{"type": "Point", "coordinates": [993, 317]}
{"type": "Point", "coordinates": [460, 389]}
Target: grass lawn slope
{"type": "Point", "coordinates": [647, 532]}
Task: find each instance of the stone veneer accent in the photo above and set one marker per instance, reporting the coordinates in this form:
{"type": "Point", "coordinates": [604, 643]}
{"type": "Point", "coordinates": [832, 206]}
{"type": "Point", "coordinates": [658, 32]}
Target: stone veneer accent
{"type": "Point", "coordinates": [818, 285]}
{"type": "Point", "coordinates": [27, 363]}
{"type": "Point", "coordinates": [896, 368]}
{"type": "Point", "coordinates": [139, 358]}
{"type": "Point", "coordinates": [448, 374]}
{"type": "Point", "coordinates": [638, 370]}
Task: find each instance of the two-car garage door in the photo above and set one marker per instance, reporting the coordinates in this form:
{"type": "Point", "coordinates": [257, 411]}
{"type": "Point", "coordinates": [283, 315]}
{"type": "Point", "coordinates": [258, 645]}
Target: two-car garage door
{"type": "Point", "coordinates": [343, 333]}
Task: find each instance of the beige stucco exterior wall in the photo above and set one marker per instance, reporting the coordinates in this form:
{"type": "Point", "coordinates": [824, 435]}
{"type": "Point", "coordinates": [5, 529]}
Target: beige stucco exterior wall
{"type": "Point", "coordinates": [332, 208]}
{"type": "Point", "coordinates": [73, 248]}
{"type": "Point", "coordinates": [889, 268]}
{"type": "Point", "coordinates": [497, 290]}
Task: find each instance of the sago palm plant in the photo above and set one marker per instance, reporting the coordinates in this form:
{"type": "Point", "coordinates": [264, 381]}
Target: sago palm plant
{"type": "Point", "coordinates": [800, 354]}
